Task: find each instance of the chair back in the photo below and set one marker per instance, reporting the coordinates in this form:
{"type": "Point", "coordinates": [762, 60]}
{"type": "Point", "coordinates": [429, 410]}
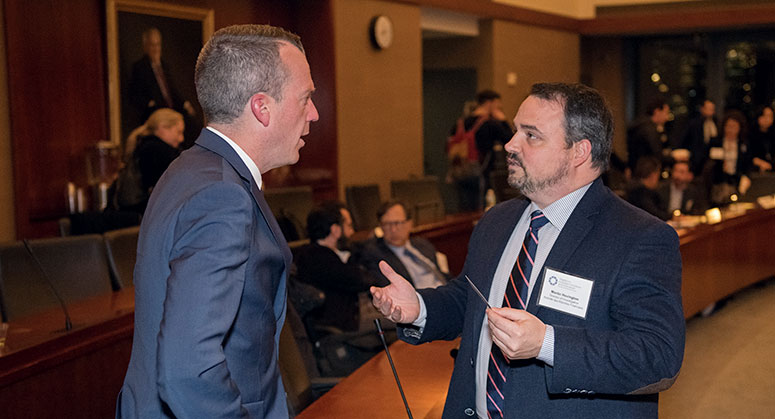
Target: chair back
{"type": "Point", "coordinates": [76, 266]}
{"type": "Point", "coordinates": [121, 248]}
{"type": "Point", "coordinates": [761, 184]}
{"type": "Point", "coordinates": [363, 202]}
{"type": "Point", "coordinates": [290, 207]}
{"type": "Point", "coordinates": [422, 196]}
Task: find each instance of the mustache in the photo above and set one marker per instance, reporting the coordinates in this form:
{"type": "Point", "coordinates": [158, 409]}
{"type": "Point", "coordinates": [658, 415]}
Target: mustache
{"type": "Point", "coordinates": [513, 158]}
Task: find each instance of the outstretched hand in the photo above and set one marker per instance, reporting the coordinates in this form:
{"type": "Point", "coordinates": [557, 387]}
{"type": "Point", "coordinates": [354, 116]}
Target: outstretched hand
{"type": "Point", "coordinates": [397, 301]}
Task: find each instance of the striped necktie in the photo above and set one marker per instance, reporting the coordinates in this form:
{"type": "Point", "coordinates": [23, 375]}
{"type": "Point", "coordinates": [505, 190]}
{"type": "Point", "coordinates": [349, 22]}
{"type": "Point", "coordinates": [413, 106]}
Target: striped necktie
{"type": "Point", "coordinates": [514, 297]}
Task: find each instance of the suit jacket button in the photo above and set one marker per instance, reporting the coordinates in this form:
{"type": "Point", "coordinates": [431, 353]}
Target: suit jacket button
{"type": "Point", "coordinates": [567, 391]}
{"type": "Point", "coordinates": [469, 411]}
{"type": "Point", "coordinates": [472, 362]}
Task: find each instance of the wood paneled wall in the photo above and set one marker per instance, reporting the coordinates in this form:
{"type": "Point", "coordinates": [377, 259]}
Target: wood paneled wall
{"type": "Point", "coordinates": [57, 89]}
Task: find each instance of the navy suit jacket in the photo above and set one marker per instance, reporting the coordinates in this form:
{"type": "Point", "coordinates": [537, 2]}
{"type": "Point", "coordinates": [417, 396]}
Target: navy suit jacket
{"type": "Point", "coordinates": [610, 364]}
{"type": "Point", "coordinates": [210, 291]}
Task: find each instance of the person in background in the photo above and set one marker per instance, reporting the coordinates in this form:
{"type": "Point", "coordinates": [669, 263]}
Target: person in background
{"type": "Point", "coordinates": [413, 257]}
{"type": "Point", "coordinates": [700, 131]}
{"type": "Point", "coordinates": [643, 193]}
{"type": "Point", "coordinates": [149, 150]}
{"type": "Point", "coordinates": [493, 131]}
{"type": "Point", "coordinates": [326, 264]}
{"type": "Point", "coordinates": [212, 264]}
{"type": "Point", "coordinates": [545, 349]}
{"type": "Point", "coordinates": [730, 159]}
{"type": "Point", "coordinates": [646, 136]}
{"type": "Point", "coordinates": [679, 193]}
{"type": "Point", "coordinates": [763, 140]}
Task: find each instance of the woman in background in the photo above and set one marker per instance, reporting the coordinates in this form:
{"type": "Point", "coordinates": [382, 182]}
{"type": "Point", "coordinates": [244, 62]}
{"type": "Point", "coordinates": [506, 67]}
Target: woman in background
{"type": "Point", "coordinates": [730, 157]}
{"type": "Point", "coordinates": [763, 139]}
{"type": "Point", "coordinates": [149, 150]}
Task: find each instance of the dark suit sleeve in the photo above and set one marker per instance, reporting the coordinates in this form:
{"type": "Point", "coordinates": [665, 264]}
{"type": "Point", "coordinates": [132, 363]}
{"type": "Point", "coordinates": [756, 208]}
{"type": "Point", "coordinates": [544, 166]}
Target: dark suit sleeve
{"type": "Point", "coordinates": [643, 350]}
{"type": "Point", "coordinates": [208, 263]}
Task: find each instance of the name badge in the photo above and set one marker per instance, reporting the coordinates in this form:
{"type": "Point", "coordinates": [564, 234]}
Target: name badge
{"type": "Point", "coordinates": [565, 292]}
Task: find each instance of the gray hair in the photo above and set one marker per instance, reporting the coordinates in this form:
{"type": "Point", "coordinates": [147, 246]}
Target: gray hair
{"type": "Point", "coordinates": [238, 62]}
{"type": "Point", "coordinates": [587, 116]}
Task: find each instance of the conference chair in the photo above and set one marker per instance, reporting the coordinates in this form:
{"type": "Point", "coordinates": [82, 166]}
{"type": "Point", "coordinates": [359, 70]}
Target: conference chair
{"type": "Point", "coordinates": [301, 378]}
{"type": "Point", "coordinates": [363, 202]}
{"type": "Point", "coordinates": [761, 184]}
{"type": "Point", "coordinates": [121, 247]}
{"type": "Point", "coordinates": [76, 267]}
{"type": "Point", "coordinates": [290, 207]}
{"type": "Point", "coordinates": [422, 196]}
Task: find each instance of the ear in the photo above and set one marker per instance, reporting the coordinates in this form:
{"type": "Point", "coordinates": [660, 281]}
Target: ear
{"type": "Point", "coordinates": [582, 151]}
{"type": "Point", "coordinates": [336, 231]}
{"type": "Point", "coordinates": [259, 106]}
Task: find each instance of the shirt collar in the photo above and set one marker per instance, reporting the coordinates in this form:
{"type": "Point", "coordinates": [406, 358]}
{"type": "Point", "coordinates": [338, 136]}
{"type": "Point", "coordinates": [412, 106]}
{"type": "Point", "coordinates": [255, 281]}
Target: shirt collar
{"type": "Point", "coordinates": [243, 156]}
{"type": "Point", "coordinates": [560, 210]}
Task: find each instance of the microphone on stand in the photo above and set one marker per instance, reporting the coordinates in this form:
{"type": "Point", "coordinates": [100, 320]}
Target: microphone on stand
{"type": "Point", "coordinates": [390, 359]}
{"type": "Point", "coordinates": [68, 323]}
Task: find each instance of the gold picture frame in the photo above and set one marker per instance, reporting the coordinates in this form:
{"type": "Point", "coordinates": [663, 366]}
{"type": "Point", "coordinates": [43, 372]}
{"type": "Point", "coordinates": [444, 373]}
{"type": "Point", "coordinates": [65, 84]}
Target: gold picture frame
{"type": "Point", "coordinates": [168, 15]}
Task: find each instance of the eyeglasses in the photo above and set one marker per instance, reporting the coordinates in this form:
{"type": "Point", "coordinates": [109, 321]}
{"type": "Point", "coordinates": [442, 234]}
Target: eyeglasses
{"type": "Point", "coordinates": [393, 224]}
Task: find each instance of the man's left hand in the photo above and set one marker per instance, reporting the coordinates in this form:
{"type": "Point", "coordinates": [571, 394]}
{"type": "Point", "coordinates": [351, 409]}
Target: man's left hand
{"type": "Point", "coordinates": [518, 333]}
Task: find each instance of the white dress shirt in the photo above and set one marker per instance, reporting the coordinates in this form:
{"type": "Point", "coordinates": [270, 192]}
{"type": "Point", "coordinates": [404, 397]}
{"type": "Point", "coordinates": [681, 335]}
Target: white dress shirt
{"type": "Point", "coordinates": [243, 156]}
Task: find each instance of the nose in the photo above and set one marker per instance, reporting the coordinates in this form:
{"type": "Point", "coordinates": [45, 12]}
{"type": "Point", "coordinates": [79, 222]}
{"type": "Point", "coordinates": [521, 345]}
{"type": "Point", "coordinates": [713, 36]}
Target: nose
{"type": "Point", "coordinates": [313, 112]}
{"type": "Point", "coordinates": [512, 146]}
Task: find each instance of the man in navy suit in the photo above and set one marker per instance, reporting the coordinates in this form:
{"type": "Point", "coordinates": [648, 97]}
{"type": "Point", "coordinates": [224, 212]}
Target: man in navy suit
{"type": "Point", "coordinates": [210, 279]}
{"type": "Point", "coordinates": [603, 329]}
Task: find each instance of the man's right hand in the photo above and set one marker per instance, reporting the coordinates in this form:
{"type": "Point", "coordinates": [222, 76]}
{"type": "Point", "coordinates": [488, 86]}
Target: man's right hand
{"type": "Point", "coordinates": [397, 301]}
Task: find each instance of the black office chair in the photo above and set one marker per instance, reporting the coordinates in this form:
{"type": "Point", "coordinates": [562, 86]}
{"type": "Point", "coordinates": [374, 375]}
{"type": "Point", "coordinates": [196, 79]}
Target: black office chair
{"type": "Point", "coordinates": [76, 267]}
{"type": "Point", "coordinates": [121, 247]}
{"type": "Point", "coordinates": [363, 202]}
{"type": "Point", "coordinates": [290, 207]}
{"type": "Point", "coordinates": [422, 196]}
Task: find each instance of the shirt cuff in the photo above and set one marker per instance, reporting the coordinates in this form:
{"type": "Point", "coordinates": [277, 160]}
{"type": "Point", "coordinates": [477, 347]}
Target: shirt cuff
{"type": "Point", "coordinates": [420, 321]}
{"type": "Point", "coordinates": [546, 355]}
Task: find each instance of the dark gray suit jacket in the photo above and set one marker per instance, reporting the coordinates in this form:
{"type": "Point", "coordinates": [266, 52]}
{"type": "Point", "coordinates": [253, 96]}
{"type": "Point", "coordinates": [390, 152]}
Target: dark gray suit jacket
{"type": "Point", "coordinates": [376, 250]}
{"type": "Point", "coordinates": [209, 294]}
{"type": "Point", "coordinates": [610, 364]}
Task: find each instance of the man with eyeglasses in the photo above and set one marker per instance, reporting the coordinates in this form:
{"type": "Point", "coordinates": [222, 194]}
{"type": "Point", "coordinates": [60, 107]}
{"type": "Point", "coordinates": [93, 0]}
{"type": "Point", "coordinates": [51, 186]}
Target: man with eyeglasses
{"type": "Point", "coordinates": [414, 258]}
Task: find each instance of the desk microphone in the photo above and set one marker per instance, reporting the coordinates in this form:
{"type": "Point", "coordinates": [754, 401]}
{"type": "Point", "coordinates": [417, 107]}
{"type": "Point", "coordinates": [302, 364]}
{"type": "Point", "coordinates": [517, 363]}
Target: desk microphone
{"type": "Point", "coordinates": [68, 323]}
{"type": "Point", "coordinates": [390, 359]}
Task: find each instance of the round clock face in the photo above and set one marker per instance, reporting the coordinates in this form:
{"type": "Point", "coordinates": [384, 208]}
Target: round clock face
{"type": "Point", "coordinates": [382, 31]}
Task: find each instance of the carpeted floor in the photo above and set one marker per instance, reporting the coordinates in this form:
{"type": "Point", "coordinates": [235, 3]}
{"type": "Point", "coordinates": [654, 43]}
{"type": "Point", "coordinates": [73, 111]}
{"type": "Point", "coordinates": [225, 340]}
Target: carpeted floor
{"type": "Point", "coordinates": [729, 363]}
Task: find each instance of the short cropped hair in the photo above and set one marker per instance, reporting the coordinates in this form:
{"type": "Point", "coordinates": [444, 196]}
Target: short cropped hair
{"type": "Point", "coordinates": [486, 96]}
{"type": "Point", "coordinates": [386, 206]}
{"type": "Point", "coordinates": [238, 62]}
{"type": "Point", "coordinates": [320, 220]}
{"type": "Point", "coordinates": [587, 116]}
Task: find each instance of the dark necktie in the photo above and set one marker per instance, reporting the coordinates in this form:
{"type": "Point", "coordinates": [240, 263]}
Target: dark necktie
{"type": "Point", "coordinates": [423, 262]}
{"type": "Point", "coordinates": [514, 297]}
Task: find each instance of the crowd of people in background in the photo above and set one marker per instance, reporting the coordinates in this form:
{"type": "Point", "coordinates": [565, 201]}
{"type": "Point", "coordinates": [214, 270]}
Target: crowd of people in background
{"type": "Point", "coordinates": [709, 164]}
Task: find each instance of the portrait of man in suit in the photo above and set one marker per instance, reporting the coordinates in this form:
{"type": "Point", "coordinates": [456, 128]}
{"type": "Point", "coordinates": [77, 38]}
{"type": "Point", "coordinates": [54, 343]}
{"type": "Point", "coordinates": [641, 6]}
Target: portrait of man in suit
{"type": "Point", "coordinates": [212, 263]}
{"type": "Point", "coordinates": [585, 289]}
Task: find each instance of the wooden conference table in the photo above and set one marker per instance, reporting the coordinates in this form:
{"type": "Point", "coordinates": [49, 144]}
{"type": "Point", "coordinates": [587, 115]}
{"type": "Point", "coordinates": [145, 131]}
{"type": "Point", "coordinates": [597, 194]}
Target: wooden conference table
{"type": "Point", "coordinates": [47, 373]}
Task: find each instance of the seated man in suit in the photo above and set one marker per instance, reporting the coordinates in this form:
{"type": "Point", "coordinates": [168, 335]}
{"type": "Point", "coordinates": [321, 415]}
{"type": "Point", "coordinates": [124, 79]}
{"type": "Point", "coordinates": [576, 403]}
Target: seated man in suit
{"type": "Point", "coordinates": [643, 192]}
{"type": "Point", "coordinates": [679, 193]}
{"type": "Point", "coordinates": [586, 318]}
{"type": "Point", "coordinates": [414, 258]}
{"type": "Point", "coordinates": [325, 264]}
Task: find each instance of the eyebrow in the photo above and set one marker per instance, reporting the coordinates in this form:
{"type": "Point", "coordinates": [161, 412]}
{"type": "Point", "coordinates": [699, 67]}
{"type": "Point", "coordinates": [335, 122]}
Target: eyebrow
{"type": "Point", "coordinates": [530, 127]}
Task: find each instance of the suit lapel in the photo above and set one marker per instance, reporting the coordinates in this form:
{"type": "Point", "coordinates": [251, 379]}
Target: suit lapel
{"type": "Point", "coordinates": [217, 145]}
{"type": "Point", "coordinates": [573, 233]}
